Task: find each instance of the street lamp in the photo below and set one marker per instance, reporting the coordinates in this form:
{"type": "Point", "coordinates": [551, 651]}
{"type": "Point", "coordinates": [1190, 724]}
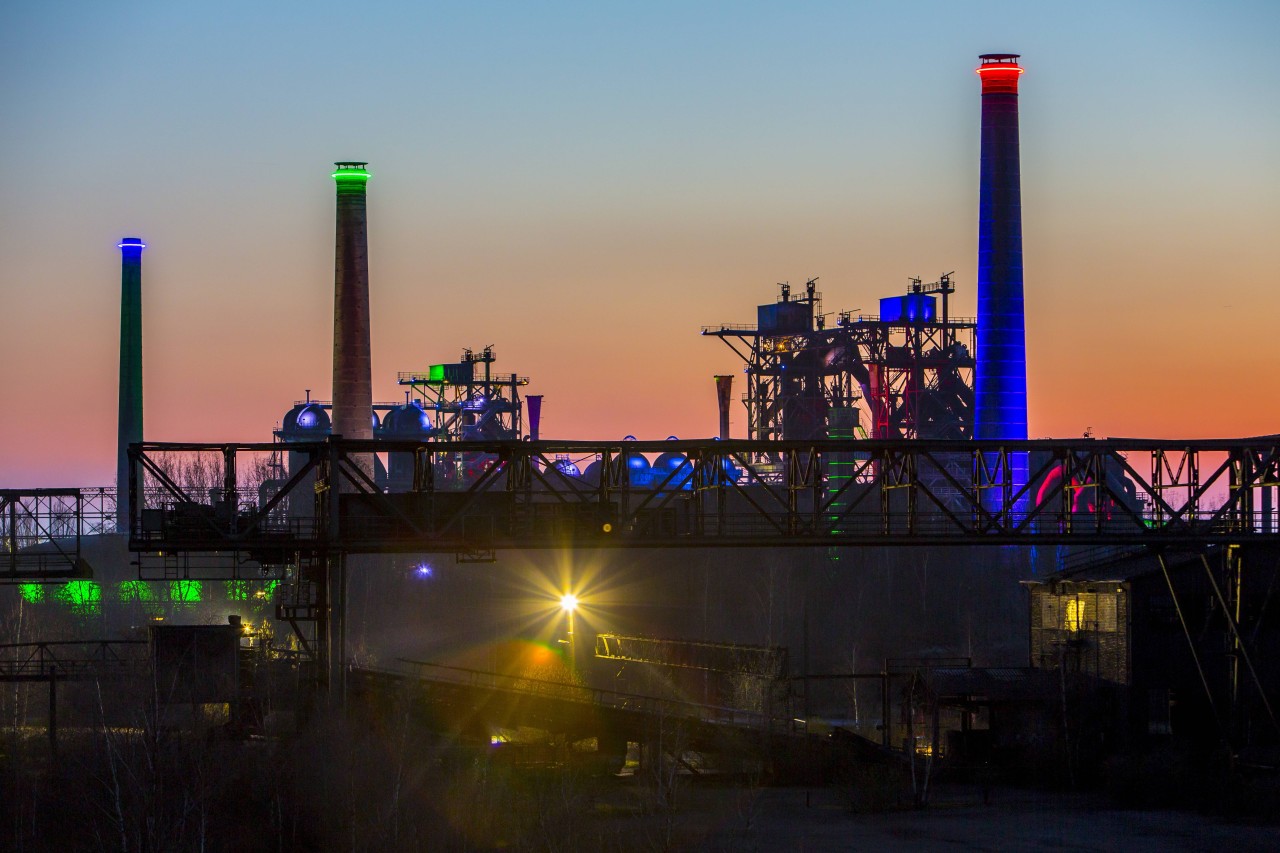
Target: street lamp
{"type": "Point", "coordinates": [569, 604]}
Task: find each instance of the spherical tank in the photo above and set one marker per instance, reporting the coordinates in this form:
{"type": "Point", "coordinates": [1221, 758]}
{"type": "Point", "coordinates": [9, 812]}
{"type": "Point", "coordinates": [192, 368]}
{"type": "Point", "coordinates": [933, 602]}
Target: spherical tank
{"type": "Point", "coordinates": [407, 421]}
{"type": "Point", "coordinates": [678, 463]}
{"type": "Point", "coordinates": [403, 423]}
{"type": "Point", "coordinates": [639, 471]}
{"type": "Point", "coordinates": [305, 421]}
{"type": "Point", "coordinates": [566, 467]}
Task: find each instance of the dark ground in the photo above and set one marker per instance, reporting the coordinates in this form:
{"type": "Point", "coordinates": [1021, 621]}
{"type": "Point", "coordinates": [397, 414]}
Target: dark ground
{"type": "Point", "coordinates": [340, 788]}
{"type": "Point", "coordinates": [957, 820]}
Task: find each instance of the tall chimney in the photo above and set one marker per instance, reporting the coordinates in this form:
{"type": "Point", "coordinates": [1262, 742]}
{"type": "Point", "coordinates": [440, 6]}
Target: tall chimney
{"type": "Point", "coordinates": [352, 373]}
{"type": "Point", "coordinates": [1000, 376]}
{"type": "Point", "coordinates": [129, 424]}
{"type": "Point", "coordinates": [1001, 373]}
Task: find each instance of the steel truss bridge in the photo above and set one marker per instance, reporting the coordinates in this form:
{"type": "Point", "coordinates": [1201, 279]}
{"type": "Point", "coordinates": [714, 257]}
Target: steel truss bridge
{"type": "Point", "coordinates": [476, 498]}
{"type": "Point", "coordinates": [41, 529]}
{"type": "Point", "coordinates": [214, 511]}
{"type": "Point", "coordinates": [71, 660]}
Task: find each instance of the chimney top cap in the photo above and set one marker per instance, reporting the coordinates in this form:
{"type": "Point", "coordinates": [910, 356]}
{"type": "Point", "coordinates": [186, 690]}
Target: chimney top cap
{"type": "Point", "coordinates": [999, 73]}
{"type": "Point", "coordinates": [350, 175]}
{"type": "Point", "coordinates": [131, 243]}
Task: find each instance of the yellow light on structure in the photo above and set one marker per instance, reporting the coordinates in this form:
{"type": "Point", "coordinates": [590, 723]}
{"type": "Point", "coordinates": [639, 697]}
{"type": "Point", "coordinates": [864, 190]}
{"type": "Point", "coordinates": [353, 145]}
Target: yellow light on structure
{"type": "Point", "coordinates": [568, 602]}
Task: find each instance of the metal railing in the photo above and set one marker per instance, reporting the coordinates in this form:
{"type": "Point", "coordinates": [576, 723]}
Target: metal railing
{"type": "Point", "coordinates": [649, 706]}
{"type": "Point", "coordinates": [72, 660]}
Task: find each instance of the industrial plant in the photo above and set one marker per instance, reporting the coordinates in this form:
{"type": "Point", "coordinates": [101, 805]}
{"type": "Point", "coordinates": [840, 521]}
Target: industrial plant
{"type": "Point", "coordinates": [881, 586]}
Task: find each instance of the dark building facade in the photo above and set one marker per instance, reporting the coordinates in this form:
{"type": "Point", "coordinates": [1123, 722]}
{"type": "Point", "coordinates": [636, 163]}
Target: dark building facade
{"type": "Point", "coordinates": [1189, 641]}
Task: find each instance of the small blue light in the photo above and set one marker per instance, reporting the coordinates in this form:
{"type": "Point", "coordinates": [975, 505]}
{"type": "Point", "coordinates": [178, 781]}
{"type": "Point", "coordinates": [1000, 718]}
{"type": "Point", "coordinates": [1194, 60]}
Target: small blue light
{"type": "Point", "coordinates": [424, 571]}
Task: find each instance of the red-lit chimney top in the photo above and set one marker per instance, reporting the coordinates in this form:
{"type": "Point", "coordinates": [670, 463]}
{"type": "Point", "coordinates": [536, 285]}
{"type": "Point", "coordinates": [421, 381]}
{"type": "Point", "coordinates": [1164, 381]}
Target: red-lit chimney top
{"type": "Point", "coordinates": [999, 73]}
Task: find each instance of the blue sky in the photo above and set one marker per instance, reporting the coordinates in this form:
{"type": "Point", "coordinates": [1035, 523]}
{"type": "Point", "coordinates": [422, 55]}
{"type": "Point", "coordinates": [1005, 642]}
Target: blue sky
{"type": "Point", "coordinates": [584, 185]}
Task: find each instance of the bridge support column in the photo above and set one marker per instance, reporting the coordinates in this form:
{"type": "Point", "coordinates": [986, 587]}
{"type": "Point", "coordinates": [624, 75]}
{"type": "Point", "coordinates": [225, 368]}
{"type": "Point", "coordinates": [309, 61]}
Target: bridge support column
{"type": "Point", "coordinates": [53, 709]}
{"type": "Point", "coordinates": [334, 668]}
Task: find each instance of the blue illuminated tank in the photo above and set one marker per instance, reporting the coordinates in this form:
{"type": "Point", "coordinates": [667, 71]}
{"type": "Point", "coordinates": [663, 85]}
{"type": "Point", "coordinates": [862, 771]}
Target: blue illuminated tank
{"type": "Point", "coordinates": [305, 422]}
{"type": "Point", "coordinates": [669, 462]}
{"type": "Point", "coordinates": [309, 421]}
{"type": "Point", "coordinates": [409, 421]}
{"type": "Point", "coordinates": [639, 471]}
{"type": "Point", "coordinates": [565, 466]}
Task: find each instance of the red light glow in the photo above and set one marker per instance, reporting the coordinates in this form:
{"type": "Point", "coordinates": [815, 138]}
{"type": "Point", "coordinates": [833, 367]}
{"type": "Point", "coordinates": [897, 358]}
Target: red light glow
{"type": "Point", "coordinates": [999, 77]}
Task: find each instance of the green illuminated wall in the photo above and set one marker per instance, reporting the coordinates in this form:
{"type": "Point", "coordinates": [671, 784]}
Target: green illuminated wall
{"type": "Point", "coordinates": [82, 596]}
{"type": "Point", "coordinates": [140, 591]}
{"type": "Point", "coordinates": [185, 592]}
{"type": "Point", "coordinates": [86, 597]}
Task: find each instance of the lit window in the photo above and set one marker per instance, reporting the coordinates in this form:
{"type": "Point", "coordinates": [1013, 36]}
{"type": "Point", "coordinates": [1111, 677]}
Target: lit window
{"type": "Point", "coordinates": [1073, 615]}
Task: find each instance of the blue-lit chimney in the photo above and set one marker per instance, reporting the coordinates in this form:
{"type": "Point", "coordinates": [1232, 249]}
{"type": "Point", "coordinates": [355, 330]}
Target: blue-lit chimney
{"type": "Point", "coordinates": [1001, 373]}
{"type": "Point", "coordinates": [1000, 376]}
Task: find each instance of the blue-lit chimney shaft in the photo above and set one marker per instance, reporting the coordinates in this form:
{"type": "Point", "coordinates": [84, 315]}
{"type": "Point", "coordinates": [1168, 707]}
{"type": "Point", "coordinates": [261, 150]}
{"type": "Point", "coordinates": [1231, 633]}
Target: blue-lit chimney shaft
{"type": "Point", "coordinates": [1000, 377]}
{"type": "Point", "coordinates": [129, 424]}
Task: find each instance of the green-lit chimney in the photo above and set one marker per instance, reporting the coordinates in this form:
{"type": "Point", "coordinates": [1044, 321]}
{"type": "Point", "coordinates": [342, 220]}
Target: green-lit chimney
{"type": "Point", "coordinates": [130, 420]}
{"type": "Point", "coordinates": [352, 372]}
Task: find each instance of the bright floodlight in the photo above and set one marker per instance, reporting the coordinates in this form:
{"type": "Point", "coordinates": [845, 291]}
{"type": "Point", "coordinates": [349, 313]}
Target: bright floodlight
{"type": "Point", "coordinates": [568, 602]}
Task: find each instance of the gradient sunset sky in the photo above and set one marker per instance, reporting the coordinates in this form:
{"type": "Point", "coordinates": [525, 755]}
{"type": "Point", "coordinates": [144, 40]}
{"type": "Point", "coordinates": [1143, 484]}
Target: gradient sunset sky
{"type": "Point", "coordinates": [584, 185]}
